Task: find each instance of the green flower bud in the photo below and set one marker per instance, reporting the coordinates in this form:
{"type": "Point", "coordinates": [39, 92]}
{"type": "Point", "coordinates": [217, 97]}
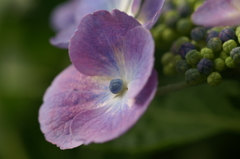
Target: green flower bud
{"type": "Point", "coordinates": [158, 31]}
{"type": "Point", "coordinates": [207, 53]}
{"type": "Point", "coordinates": [191, 2]}
{"type": "Point", "coordinates": [193, 57]}
{"type": "Point", "coordinates": [177, 2]}
{"type": "Point", "coordinates": [229, 45]}
{"type": "Point", "coordinates": [194, 43]}
{"type": "Point", "coordinates": [176, 58]}
{"type": "Point", "coordinates": [184, 9]}
{"type": "Point", "coordinates": [223, 55]}
{"type": "Point", "coordinates": [166, 58]}
{"type": "Point", "coordinates": [235, 54]}
{"type": "Point", "coordinates": [171, 17]}
{"type": "Point", "coordinates": [218, 29]}
{"type": "Point", "coordinates": [184, 25]}
{"type": "Point", "coordinates": [192, 76]}
{"type": "Point", "coordinates": [168, 34]}
{"type": "Point", "coordinates": [197, 4]}
{"type": "Point", "coordinates": [238, 37]}
{"type": "Point", "coordinates": [182, 66]}
{"type": "Point", "coordinates": [177, 44]}
{"type": "Point", "coordinates": [230, 62]}
{"type": "Point", "coordinates": [169, 69]}
{"type": "Point", "coordinates": [215, 44]}
{"type": "Point", "coordinates": [214, 79]}
{"type": "Point", "coordinates": [237, 31]}
{"type": "Point", "coordinates": [219, 64]}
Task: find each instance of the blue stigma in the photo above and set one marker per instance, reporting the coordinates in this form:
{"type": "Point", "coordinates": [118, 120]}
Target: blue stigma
{"type": "Point", "coordinates": [116, 86]}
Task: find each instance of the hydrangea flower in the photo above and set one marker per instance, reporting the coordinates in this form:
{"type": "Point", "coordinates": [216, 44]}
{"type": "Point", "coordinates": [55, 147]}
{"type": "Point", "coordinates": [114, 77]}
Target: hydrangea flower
{"type": "Point", "coordinates": [67, 16]}
{"type": "Point", "coordinates": [218, 13]}
{"type": "Point", "coordinates": [109, 85]}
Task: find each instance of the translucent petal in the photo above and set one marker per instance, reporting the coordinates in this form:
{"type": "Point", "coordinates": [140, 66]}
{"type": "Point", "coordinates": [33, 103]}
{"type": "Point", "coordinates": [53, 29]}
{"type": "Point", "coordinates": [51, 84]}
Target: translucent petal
{"type": "Point", "coordinates": [218, 13]}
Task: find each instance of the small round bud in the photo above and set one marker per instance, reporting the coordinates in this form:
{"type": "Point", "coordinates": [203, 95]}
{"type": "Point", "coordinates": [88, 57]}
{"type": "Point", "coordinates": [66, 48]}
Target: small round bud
{"type": "Point", "coordinates": [184, 9]}
{"type": "Point", "coordinates": [230, 62]}
{"type": "Point", "coordinates": [215, 44]}
{"type": "Point", "coordinates": [184, 25]}
{"type": "Point", "coordinates": [116, 86]}
{"type": "Point", "coordinates": [227, 34]}
{"type": "Point", "coordinates": [211, 34]}
{"type": "Point", "coordinates": [237, 31]}
{"type": "Point", "coordinates": [223, 55]}
{"type": "Point", "coordinates": [182, 66]}
{"type": "Point", "coordinates": [219, 64]}
{"type": "Point", "coordinates": [168, 34]}
{"type": "Point", "coordinates": [214, 79]}
{"type": "Point", "coordinates": [167, 57]}
{"type": "Point", "coordinates": [235, 54]}
{"type": "Point", "coordinates": [176, 58]}
{"type": "Point", "coordinates": [197, 4]}
{"type": "Point", "coordinates": [193, 57]}
{"type": "Point", "coordinates": [177, 44]}
{"type": "Point", "coordinates": [192, 76]}
{"type": "Point", "coordinates": [238, 37]}
{"type": "Point", "coordinates": [191, 2]}
{"type": "Point", "coordinates": [158, 31]}
{"type": "Point", "coordinates": [198, 33]}
{"type": "Point", "coordinates": [185, 48]}
{"type": "Point", "coordinates": [169, 69]}
{"type": "Point", "coordinates": [171, 17]}
{"type": "Point", "coordinates": [229, 45]}
{"type": "Point", "coordinates": [218, 28]}
{"type": "Point", "coordinates": [205, 66]}
{"type": "Point", "coordinates": [207, 53]}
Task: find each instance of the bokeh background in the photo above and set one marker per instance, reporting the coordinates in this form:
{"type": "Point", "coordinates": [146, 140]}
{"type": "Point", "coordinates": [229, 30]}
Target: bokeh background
{"type": "Point", "coordinates": [196, 123]}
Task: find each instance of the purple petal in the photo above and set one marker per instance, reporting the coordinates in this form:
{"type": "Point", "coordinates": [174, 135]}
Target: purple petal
{"type": "Point", "coordinates": [218, 13]}
{"type": "Point", "coordinates": [138, 52]}
{"type": "Point", "coordinates": [63, 15]}
{"type": "Point", "coordinates": [150, 12]}
{"type": "Point", "coordinates": [80, 109]}
{"type": "Point", "coordinates": [96, 47]}
{"type": "Point", "coordinates": [90, 6]}
{"type": "Point", "coordinates": [70, 94]}
{"type": "Point", "coordinates": [108, 122]}
{"type": "Point", "coordinates": [62, 38]}
{"type": "Point", "coordinates": [136, 6]}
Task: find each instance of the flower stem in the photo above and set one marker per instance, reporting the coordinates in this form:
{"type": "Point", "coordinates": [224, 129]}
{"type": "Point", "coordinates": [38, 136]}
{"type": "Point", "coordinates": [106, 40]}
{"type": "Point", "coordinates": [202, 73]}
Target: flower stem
{"type": "Point", "coordinates": [172, 88]}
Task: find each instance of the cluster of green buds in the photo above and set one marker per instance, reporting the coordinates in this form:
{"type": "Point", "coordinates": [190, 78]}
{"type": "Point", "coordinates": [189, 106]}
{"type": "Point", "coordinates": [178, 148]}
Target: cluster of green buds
{"type": "Point", "coordinates": [175, 20]}
{"type": "Point", "coordinates": [204, 55]}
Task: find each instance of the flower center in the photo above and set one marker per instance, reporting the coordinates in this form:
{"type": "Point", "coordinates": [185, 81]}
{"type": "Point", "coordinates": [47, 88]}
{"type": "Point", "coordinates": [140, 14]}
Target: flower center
{"type": "Point", "coordinates": [116, 86]}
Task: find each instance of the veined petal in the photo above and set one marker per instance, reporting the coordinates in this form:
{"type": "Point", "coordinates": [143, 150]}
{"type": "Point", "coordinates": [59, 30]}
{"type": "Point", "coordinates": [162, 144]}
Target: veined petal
{"type": "Point", "coordinates": [70, 94]}
{"type": "Point", "coordinates": [218, 13]}
{"type": "Point", "coordinates": [138, 53]}
{"type": "Point", "coordinates": [80, 109]}
{"type": "Point", "coordinates": [62, 38]}
{"type": "Point", "coordinates": [63, 15]}
{"type": "Point", "coordinates": [90, 6]}
{"type": "Point", "coordinates": [150, 12]}
{"type": "Point", "coordinates": [95, 47]}
{"type": "Point", "coordinates": [135, 7]}
{"type": "Point", "coordinates": [108, 122]}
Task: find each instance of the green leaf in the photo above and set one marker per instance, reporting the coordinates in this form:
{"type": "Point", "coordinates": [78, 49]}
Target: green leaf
{"type": "Point", "coordinates": [182, 117]}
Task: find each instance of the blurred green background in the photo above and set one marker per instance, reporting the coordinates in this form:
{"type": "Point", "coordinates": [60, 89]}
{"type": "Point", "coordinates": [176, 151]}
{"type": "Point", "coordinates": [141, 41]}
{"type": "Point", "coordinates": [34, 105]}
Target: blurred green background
{"type": "Point", "coordinates": [196, 123]}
